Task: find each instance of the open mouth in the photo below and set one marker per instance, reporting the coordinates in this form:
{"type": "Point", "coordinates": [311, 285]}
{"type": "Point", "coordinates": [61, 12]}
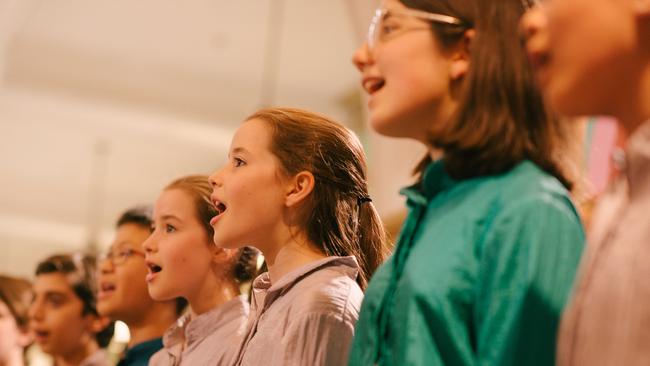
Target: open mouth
{"type": "Point", "coordinates": [41, 335]}
{"type": "Point", "coordinates": [373, 85]}
{"type": "Point", "coordinates": [105, 289]}
{"type": "Point", "coordinates": [221, 208]}
{"type": "Point", "coordinates": [154, 268]}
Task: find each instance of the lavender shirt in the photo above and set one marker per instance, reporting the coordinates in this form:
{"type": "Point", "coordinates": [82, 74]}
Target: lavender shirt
{"type": "Point", "coordinates": [306, 318]}
{"type": "Point", "coordinates": [211, 338]}
{"type": "Point", "coordinates": [608, 320]}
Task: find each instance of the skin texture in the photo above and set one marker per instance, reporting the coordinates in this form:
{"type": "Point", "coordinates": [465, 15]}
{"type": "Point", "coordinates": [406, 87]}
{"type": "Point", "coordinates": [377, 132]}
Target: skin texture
{"type": "Point", "coordinates": [592, 57]}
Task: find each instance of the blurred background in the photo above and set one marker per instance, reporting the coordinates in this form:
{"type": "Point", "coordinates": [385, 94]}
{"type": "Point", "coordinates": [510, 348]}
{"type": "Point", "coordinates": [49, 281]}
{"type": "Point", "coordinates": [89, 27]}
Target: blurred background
{"type": "Point", "coordinates": [102, 103]}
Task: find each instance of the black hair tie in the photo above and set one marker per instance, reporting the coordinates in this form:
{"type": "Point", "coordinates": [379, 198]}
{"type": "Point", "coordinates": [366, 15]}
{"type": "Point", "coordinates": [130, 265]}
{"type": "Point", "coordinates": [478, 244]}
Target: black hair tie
{"type": "Point", "coordinates": [363, 199]}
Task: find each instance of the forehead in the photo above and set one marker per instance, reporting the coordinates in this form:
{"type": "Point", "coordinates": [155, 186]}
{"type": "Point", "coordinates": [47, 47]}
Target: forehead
{"type": "Point", "coordinates": [52, 282]}
{"type": "Point", "coordinates": [392, 4]}
{"type": "Point", "coordinates": [130, 234]}
{"type": "Point", "coordinates": [254, 134]}
{"type": "Point", "coordinates": [175, 202]}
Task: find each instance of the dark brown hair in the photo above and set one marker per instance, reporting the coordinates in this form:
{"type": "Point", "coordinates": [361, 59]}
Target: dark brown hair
{"type": "Point", "coordinates": [501, 118]}
{"type": "Point", "coordinates": [16, 293]}
{"type": "Point", "coordinates": [198, 187]}
{"type": "Point", "coordinates": [80, 271]}
{"type": "Point", "coordinates": [338, 217]}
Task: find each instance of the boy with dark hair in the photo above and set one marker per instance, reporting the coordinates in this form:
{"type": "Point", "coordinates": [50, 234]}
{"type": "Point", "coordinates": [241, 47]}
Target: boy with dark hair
{"type": "Point", "coordinates": [63, 314]}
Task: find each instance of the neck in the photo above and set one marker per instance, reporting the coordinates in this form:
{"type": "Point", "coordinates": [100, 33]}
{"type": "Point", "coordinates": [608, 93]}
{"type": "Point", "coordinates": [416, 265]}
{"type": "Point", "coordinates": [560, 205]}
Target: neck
{"type": "Point", "coordinates": [213, 292]}
{"type": "Point", "coordinates": [153, 324]}
{"type": "Point", "coordinates": [14, 358]}
{"type": "Point", "coordinates": [635, 108]}
{"type": "Point", "coordinates": [77, 356]}
{"type": "Point", "coordinates": [295, 253]}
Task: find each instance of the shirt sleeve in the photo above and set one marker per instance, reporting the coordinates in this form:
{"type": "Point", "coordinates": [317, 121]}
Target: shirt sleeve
{"type": "Point", "coordinates": [528, 261]}
{"type": "Point", "coordinates": [318, 339]}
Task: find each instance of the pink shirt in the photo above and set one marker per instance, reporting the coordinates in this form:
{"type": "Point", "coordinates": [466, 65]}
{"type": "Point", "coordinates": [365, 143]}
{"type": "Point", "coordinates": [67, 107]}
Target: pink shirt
{"type": "Point", "coordinates": [608, 320]}
{"type": "Point", "coordinates": [306, 318]}
{"type": "Point", "coordinates": [211, 338]}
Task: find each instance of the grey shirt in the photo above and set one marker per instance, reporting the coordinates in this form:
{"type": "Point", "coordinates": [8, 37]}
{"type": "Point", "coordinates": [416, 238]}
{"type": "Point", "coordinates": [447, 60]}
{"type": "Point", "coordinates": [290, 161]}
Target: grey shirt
{"type": "Point", "coordinates": [211, 338]}
{"type": "Point", "coordinates": [306, 318]}
{"type": "Point", "coordinates": [608, 320]}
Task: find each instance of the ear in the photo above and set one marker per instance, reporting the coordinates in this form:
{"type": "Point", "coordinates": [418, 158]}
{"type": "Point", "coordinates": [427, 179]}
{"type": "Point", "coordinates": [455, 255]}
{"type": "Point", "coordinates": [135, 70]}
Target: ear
{"type": "Point", "coordinates": [461, 56]}
{"type": "Point", "coordinates": [299, 188]}
{"type": "Point", "coordinates": [97, 323]}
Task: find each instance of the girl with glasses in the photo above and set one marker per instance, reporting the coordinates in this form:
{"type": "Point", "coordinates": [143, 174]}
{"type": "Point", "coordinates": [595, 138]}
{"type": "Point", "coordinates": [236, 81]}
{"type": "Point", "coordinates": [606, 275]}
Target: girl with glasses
{"type": "Point", "coordinates": [183, 262]}
{"type": "Point", "coordinates": [487, 255]}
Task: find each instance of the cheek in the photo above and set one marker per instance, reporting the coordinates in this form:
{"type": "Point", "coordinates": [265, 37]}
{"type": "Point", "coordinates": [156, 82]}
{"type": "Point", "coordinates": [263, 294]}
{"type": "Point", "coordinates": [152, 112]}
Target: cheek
{"type": "Point", "coordinates": [131, 280]}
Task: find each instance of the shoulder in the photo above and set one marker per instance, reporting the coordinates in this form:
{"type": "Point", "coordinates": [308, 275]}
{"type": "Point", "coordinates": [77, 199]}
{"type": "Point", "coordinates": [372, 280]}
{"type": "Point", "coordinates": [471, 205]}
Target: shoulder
{"type": "Point", "coordinates": [526, 187]}
{"type": "Point", "coordinates": [330, 291]}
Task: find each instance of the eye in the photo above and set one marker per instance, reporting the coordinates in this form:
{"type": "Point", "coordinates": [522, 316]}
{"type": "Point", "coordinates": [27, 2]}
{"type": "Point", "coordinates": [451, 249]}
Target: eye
{"type": "Point", "coordinates": [238, 162]}
{"type": "Point", "coordinates": [55, 300]}
{"type": "Point", "coordinates": [169, 228]}
{"type": "Point", "coordinates": [387, 27]}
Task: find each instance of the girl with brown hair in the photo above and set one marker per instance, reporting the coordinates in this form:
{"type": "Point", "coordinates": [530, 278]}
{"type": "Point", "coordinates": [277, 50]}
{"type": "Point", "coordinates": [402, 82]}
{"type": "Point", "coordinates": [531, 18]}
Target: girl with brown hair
{"type": "Point", "coordinates": [488, 253]}
{"type": "Point", "coordinates": [184, 262]}
{"type": "Point", "coordinates": [295, 188]}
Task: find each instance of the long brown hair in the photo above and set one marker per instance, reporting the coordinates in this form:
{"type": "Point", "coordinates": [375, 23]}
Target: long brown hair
{"type": "Point", "coordinates": [16, 293]}
{"type": "Point", "coordinates": [339, 218]}
{"type": "Point", "coordinates": [244, 267]}
{"type": "Point", "coordinates": [501, 118]}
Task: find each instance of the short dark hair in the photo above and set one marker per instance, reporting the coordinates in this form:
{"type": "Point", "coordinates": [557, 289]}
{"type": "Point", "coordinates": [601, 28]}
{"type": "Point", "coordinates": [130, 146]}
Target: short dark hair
{"type": "Point", "coordinates": [80, 271]}
{"type": "Point", "coordinates": [139, 215]}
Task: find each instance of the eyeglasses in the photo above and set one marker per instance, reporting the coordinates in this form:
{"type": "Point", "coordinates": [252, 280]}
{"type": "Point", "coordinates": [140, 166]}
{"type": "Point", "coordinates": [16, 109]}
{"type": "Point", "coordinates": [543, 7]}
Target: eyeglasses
{"type": "Point", "coordinates": [378, 31]}
{"type": "Point", "coordinates": [118, 258]}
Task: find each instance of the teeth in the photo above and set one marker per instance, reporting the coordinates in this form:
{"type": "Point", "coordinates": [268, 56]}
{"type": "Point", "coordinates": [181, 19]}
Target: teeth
{"type": "Point", "coordinates": [373, 85]}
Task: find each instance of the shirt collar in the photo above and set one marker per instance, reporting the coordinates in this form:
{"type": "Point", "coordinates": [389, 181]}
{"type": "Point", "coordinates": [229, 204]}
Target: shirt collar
{"type": "Point", "coordinates": [196, 329]}
{"type": "Point", "coordinates": [435, 179]}
{"type": "Point", "coordinates": [265, 292]}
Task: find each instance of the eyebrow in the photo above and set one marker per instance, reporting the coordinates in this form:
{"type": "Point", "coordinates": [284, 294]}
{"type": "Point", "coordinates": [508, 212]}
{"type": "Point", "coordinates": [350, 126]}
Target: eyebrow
{"type": "Point", "coordinates": [238, 150]}
{"type": "Point", "coordinates": [55, 293]}
{"type": "Point", "coordinates": [170, 216]}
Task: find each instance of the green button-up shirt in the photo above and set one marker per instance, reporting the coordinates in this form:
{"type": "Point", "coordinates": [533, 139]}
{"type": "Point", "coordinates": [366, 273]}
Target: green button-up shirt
{"type": "Point", "coordinates": [480, 274]}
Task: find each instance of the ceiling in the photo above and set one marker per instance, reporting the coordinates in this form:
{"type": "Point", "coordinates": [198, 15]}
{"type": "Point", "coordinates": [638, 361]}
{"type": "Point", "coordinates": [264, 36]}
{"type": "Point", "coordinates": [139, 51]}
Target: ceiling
{"type": "Point", "coordinates": [104, 102]}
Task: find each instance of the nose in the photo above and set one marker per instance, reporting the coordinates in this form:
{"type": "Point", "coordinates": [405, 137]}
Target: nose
{"type": "Point", "coordinates": [35, 311]}
{"type": "Point", "coordinates": [105, 265]}
{"type": "Point", "coordinates": [532, 24]}
{"type": "Point", "coordinates": [362, 57]}
{"type": "Point", "coordinates": [215, 179]}
{"type": "Point", "coordinates": [149, 245]}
